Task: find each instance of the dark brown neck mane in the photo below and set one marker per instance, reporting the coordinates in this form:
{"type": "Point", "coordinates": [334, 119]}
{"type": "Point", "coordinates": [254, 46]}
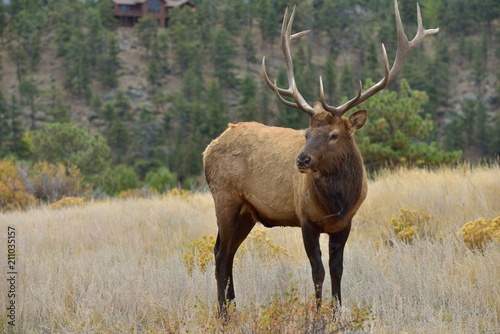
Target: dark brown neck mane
{"type": "Point", "coordinates": [339, 190]}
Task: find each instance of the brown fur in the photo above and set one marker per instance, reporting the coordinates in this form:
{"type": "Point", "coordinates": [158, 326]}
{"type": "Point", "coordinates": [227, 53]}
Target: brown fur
{"type": "Point", "coordinates": [252, 173]}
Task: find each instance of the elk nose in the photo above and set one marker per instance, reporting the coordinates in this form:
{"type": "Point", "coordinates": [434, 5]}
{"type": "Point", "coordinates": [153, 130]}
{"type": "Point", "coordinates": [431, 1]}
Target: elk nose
{"type": "Point", "coordinates": [303, 160]}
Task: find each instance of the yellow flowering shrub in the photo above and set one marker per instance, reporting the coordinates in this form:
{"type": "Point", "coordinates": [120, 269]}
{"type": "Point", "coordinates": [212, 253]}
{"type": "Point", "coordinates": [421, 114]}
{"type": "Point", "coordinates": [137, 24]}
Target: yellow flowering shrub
{"type": "Point", "coordinates": [258, 243]}
{"type": "Point", "coordinates": [136, 193]}
{"type": "Point", "coordinates": [12, 191]}
{"type": "Point", "coordinates": [179, 192]}
{"type": "Point", "coordinates": [200, 253]}
{"type": "Point", "coordinates": [67, 202]}
{"type": "Point", "coordinates": [411, 224]}
{"type": "Point", "coordinates": [476, 234]}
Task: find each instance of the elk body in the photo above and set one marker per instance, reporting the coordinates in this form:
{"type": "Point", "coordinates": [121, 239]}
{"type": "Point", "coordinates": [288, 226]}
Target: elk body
{"type": "Point", "coordinates": [313, 179]}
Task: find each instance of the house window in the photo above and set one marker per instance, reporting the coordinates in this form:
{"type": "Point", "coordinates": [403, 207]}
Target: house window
{"type": "Point", "coordinates": [154, 6]}
{"type": "Point", "coordinates": [124, 8]}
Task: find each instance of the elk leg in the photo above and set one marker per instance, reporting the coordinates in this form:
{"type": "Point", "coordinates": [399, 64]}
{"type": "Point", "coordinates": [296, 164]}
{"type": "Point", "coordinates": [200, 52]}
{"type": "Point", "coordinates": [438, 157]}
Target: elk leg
{"type": "Point", "coordinates": [311, 244]}
{"type": "Point", "coordinates": [245, 225]}
{"type": "Point", "coordinates": [227, 215]}
{"type": "Point", "coordinates": [336, 248]}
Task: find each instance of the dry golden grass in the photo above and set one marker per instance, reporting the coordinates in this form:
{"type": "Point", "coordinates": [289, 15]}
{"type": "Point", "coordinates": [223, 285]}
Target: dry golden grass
{"type": "Point", "coordinates": [119, 266]}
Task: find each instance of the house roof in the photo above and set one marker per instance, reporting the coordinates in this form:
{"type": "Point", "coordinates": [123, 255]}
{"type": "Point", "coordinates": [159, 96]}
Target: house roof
{"type": "Point", "coordinates": [178, 3]}
{"type": "Point", "coordinates": [168, 3]}
{"type": "Point", "coordinates": [128, 2]}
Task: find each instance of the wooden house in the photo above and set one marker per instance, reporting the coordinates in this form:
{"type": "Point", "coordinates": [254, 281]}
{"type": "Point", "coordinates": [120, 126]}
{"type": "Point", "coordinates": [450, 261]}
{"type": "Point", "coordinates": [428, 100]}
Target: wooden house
{"type": "Point", "coordinates": [127, 12]}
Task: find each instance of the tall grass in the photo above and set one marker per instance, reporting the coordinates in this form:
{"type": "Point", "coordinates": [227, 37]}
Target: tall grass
{"type": "Point", "coordinates": [118, 266]}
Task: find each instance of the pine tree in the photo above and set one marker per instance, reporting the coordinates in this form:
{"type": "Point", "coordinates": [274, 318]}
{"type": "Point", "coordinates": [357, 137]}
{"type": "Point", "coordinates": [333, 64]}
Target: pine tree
{"type": "Point", "coordinates": [248, 104]}
{"type": "Point", "coordinates": [223, 52]}
{"type": "Point", "coordinates": [56, 107]}
{"type": "Point", "coordinates": [95, 36]}
{"type": "Point", "coordinates": [216, 111]}
{"type": "Point", "coordinates": [77, 65]}
{"type": "Point", "coordinates": [154, 72]}
{"type": "Point", "coordinates": [4, 127]}
{"type": "Point", "coordinates": [330, 81]}
{"type": "Point", "coordinates": [110, 64]}
{"type": "Point", "coordinates": [346, 81]}
{"type": "Point", "coordinates": [145, 30]}
{"type": "Point", "coordinates": [249, 47]}
{"type": "Point", "coordinates": [163, 47]}
{"type": "Point", "coordinates": [28, 90]}
{"type": "Point", "coordinates": [397, 133]}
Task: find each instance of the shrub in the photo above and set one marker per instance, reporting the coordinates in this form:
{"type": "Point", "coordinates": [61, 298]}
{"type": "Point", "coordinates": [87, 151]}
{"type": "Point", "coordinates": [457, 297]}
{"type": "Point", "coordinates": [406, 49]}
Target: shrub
{"type": "Point", "coordinates": [137, 193]}
{"type": "Point", "coordinates": [260, 245]}
{"type": "Point", "coordinates": [118, 179]}
{"type": "Point", "coordinates": [12, 190]}
{"type": "Point", "coordinates": [476, 234]}
{"type": "Point", "coordinates": [161, 179]}
{"type": "Point", "coordinates": [67, 202]}
{"type": "Point", "coordinates": [71, 144]}
{"type": "Point", "coordinates": [200, 253]}
{"type": "Point", "coordinates": [179, 192]}
{"type": "Point", "coordinates": [411, 224]}
{"type": "Point", "coordinates": [52, 182]}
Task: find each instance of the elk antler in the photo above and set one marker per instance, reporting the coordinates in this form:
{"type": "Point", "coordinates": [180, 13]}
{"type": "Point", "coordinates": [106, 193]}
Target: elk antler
{"type": "Point", "coordinates": [292, 91]}
{"type": "Point", "coordinates": [404, 49]}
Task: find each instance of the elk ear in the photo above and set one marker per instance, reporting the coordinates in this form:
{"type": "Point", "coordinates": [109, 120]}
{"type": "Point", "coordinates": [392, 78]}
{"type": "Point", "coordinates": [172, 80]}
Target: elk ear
{"type": "Point", "coordinates": [357, 120]}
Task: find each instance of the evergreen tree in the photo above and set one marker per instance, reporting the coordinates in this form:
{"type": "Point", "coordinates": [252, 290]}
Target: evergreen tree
{"type": "Point", "coordinates": [71, 145]}
{"type": "Point", "coordinates": [95, 36]}
{"type": "Point", "coordinates": [193, 85]}
{"type": "Point", "coordinates": [330, 81]}
{"type": "Point", "coordinates": [154, 72]}
{"type": "Point", "coordinates": [24, 33]}
{"type": "Point", "coordinates": [396, 133]}
{"type": "Point", "coordinates": [110, 64]}
{"type": "Point", "coordinates": [249, 47]}
{"type": "Point", "coordinates": [263, 102]}
{"type": "Point", "coordinates": [163, 47]}
{"type": "Point", "coordinates": [248, 103]}
{"type": "Point", "coordinates": [18, 146]}
{"type": "Point", "coordinates": [77, 65]}
{"type": "Point", "coordinates": [146, 150]}
{"type": "Point", "coordinates": [223, 52]}
{"type": "Point", "coordinates": [346, 82]}
{"type": "Point", "coordinates": [4, 127]}
{"type": "Point", "coordinates": [106, 14]}
{"type": "Point", "coordinates": [185, 40]}
{"type": "Point", "coordinates": [28, 90]}
{"type": "Point", "coordinates": [145, 30]}
{"type": "Point", "coordinates": [268, 21]}
{"type": "Point", "coordinates": [216, 111]}
{"type": "Point", "coordinates": [56, 107]}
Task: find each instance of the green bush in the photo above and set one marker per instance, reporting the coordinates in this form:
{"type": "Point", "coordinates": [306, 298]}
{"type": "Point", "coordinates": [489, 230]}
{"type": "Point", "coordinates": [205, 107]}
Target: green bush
{"type": "Point", "coordinates": [118, 179]}
{"type": "Point", "coordinates": [161, 179]}
{"type": "Point", "coordinates": [70, 144]}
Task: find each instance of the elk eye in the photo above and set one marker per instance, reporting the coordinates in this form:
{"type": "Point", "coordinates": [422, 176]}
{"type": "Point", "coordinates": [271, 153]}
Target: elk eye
{"type": "Point", "coordinates": [334, 136]}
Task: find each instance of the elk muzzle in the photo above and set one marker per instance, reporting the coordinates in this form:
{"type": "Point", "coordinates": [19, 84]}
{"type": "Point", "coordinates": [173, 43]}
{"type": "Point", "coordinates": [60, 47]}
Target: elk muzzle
{"type": "Point", "coordinates": [304, 162]}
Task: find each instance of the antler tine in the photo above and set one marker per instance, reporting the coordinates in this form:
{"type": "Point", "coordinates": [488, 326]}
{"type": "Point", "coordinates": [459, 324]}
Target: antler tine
{"type": "Point", "coordinates": [404, 45]}
{"type": "Point", "coordinates": [338, 111]}
{"type": "Point", "coordinates": [292, 91]}
{"type": "Point", "coordinates": [404, 49]}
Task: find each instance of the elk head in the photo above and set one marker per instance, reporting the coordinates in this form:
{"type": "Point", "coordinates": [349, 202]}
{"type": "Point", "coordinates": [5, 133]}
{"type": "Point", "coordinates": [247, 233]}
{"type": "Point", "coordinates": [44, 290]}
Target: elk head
{"type": "Point", "coordinates": [329, 138]}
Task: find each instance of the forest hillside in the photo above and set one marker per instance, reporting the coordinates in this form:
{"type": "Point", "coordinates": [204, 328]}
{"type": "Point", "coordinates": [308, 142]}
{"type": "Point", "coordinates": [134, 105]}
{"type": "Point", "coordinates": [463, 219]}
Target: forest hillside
{"type": "Point", "coordinates": [105, 109]}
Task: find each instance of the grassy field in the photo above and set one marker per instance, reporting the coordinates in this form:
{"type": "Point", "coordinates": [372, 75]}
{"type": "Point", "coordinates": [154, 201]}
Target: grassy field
{"type": "Point", "coordinates": [143, 266]}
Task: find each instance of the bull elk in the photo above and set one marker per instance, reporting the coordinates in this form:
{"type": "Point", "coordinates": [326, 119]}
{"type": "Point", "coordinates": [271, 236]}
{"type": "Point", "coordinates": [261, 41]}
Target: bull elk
{"type": "Point", "coordinates": [313, 179]}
